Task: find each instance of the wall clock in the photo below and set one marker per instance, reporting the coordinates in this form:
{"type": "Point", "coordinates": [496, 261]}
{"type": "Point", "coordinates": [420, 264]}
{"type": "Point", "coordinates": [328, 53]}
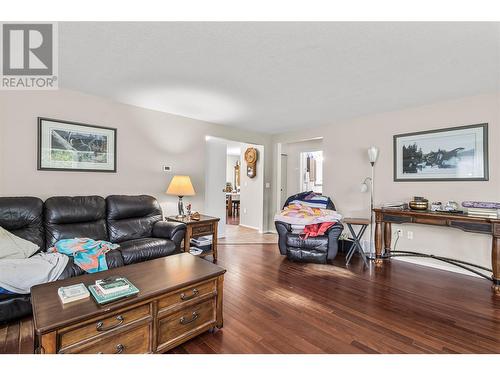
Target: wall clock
{"type": "Point", "coordinates": [251, 157]}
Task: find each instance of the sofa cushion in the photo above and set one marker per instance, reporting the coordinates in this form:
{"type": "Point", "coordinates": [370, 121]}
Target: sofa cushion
{"type": "Point", "coordinates": [142, 249]}
{"type": "Point", "coordinates": [75, 217]}
{"type": "Point", "coordinates": [23, 217]}
{"type": "Point", "coordinates": [131, 217]}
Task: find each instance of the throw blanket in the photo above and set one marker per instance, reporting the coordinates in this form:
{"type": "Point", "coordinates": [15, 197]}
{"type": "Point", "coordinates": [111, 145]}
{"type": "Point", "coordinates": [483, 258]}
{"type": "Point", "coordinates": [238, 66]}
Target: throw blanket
{"type": "Point", "coordinates": [19, 275]}
{"type": "Point", "coordinates": [88, 254]}
{"type": "Point", "coordinates": [314, 230]}
{"type": "Point", "coordinates": [313, 200]}
{"type": "Point", "coordinates": [300, 214]}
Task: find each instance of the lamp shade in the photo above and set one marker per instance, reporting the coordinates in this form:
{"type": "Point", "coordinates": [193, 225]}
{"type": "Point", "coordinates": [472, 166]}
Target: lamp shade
{"type": "Point", "coordinates": [372, 154]}
{"type": "Point", "coordinates": [181, 186]}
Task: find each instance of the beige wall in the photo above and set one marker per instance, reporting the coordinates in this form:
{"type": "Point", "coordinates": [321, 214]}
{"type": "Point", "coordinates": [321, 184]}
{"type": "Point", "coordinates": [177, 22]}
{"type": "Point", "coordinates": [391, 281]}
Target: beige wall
{"type": "Point", "coordinates": [146, 141]}
{"type": "Point", "coordinates": [252, 191]}
{"type": "Point", "coordinates": [346, 165]}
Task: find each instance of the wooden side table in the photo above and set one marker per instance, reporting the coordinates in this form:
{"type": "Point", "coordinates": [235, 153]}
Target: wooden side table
{"type": "Point", "coordinates": [207, 225]}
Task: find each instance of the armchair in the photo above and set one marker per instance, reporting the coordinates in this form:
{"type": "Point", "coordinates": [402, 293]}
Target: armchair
{"type": "Point", "coordinates": [320, 249]}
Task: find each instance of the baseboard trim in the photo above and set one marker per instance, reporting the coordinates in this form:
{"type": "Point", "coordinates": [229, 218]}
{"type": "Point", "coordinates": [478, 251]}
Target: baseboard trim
{"type": "Point", "coordinates": [426, 262]}
{"type": "Point", "coordinates": [250, 227]}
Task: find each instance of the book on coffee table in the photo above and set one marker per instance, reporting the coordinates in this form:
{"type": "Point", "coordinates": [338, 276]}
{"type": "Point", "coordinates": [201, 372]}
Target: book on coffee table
{"type": "Point", "coordinates": [102, 298]}
{"type": "Point", "coordinates": [72, 293]}
{"type": "Point", "coordinates": [112, 285]}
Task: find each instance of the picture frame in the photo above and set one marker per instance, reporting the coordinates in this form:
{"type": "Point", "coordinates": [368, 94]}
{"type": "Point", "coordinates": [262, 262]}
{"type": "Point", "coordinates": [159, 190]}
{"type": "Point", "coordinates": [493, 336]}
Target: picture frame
{"type": "Point", "coordinates": [74, 146]}
{"type": "Point", "coordinates": [449, 154]}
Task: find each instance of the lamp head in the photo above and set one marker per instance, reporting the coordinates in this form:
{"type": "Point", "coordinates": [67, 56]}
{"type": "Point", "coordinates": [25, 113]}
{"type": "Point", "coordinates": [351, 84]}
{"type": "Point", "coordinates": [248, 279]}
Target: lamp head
{"type": "Point", "coordinates": [364, 185]}
{"type": "Point", "coordinates": [372, 154]}
{"type": "Point", "coordinates": [180, 186]}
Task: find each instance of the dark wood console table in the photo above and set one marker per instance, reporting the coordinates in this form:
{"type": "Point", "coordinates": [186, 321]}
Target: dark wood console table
{"type": "Point", "coordinates": [385, 217]}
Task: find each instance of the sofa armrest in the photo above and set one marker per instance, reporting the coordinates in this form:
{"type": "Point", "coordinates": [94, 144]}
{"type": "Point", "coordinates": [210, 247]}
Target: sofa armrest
{"type": "Point", "coordinates": [170, 230]}
{"type": "Point", "coordinates": [283, 229]}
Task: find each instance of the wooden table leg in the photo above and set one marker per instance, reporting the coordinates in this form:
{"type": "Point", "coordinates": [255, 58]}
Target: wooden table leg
{"type": "Point", "coordinates": [387, 238]}
{"type": "Point", "coordinates": [495, 263]}
{"type": "Point", "coordinates": [378, 239]}
{"type": "Point", "coordinates": [187, 238]}
{"type": "Point", "coordinates": [48, 343]}
{"type": "Point", "coordinates": [214, 241]}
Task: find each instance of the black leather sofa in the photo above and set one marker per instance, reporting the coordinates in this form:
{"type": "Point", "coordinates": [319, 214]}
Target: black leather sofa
{"type": "Point", "coordinates": [320, 249]}
{"type": "Point", "coordinates": [134, 222]}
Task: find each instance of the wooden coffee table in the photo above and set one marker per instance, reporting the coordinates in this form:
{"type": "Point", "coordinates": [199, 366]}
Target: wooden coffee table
{"type": "Point", "coordinates": [180, 297]}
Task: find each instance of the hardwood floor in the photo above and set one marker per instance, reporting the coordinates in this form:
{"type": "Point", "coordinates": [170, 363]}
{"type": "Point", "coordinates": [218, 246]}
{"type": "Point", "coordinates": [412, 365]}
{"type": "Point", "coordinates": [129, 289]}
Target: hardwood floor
{"type": "Point", "coordinates": [237, 234]}
{"type": "Point", "coordinates": [17, 338]}
{"type": "Point", "coordinates": [272, 305]}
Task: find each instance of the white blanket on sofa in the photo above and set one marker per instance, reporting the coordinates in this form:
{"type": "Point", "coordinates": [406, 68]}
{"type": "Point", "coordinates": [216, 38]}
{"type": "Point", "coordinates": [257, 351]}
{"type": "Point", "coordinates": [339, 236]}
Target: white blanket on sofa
{"type": "Point", "coordinates": [19, 275]}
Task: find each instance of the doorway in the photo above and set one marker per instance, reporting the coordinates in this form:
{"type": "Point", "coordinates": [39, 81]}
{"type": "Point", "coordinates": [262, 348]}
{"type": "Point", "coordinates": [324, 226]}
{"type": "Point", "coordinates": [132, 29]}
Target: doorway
{"type": "Point", "coordinates": [300, 168]}
{"type": "Point", "coordinates": [283, 189]}
{"type": "Point", "coordinates": [233, 183]}
{"type": "Point", "coordinates": [311, 171]}
{"type": "Point", "coordinates": [230, 194]}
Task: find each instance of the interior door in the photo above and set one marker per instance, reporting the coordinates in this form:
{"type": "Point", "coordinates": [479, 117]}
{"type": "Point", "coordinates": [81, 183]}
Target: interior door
{"type": "Point", "coordinates": [215, 181]}
{"type": "Point", "coordinates": [283, 188]}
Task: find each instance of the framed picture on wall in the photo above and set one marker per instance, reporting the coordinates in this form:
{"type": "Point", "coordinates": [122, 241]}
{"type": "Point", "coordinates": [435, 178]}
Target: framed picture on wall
{"type": "Point", "coordinates": [73, 146]}
{"type": "Point", "coordinates": [451, 154]}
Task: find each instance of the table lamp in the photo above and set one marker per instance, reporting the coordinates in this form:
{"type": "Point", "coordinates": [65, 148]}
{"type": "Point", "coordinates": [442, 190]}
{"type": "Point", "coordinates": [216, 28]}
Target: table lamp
{"type": "Point", "coordinates": [181, 186]}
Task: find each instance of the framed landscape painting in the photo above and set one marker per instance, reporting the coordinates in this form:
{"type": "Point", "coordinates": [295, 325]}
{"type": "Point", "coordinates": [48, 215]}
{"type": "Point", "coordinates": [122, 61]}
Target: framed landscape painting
{"type": "Point", "coordinates": [72, 146]}
{"type": "Point", "coordinates": [451, 154]}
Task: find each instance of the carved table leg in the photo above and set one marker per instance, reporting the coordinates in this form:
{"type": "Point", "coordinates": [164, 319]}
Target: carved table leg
{"type": "Point", "coordinates": [378, 239]}
{"type": "Point", "coordinates": [387, 238]}
{"type": "Point", "coordinates": [495, 263]}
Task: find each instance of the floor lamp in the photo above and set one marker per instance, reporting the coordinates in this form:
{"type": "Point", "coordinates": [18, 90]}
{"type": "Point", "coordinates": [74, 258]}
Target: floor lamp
{"type": "Point", "coordinates": [372, 157]}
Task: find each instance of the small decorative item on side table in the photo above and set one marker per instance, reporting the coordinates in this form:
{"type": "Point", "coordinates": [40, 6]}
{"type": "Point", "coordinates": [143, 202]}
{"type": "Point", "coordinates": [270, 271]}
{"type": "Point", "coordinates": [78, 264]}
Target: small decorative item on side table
{"type": "Point", "coordinates": [419, 204]}
{"type": "Point", "coordinates": [203, 226]}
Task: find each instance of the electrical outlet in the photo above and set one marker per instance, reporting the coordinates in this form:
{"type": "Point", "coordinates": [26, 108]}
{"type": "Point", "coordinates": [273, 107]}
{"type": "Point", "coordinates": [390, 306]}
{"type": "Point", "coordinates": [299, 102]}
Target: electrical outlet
{"type": "Point", "coordinates": [244, 210]}
{"type": "Point", "coordinates": [410, 235]}
{"type": "Point", "coordinates": [167, 168]}
{"type": "Point", "coordinates": [400, 232]}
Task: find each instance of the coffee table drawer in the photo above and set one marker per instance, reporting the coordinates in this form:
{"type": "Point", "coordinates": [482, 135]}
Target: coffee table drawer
{"type": "Point", "coordinates": [201, 230]}
{"type": "Point", "coordinates": [102, 326]}
{"type": "Point", "coordinates": [187, 294]}
{"type": "Point", "coordinates": [134, 341]}
{"type": "Point", "coordinates": [186, 323]}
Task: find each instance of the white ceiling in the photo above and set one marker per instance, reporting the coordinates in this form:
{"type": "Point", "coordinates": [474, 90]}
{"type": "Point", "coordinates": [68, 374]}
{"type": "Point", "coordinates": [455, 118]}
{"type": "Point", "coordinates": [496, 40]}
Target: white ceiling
{"type": "Point", "coordinates": [274, 77]}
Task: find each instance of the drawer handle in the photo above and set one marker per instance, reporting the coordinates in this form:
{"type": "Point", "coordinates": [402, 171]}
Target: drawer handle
{"type": "Point", "coordinates": [190, 320]}
{"type": "Point", "coordinates": [119, 349]}
{"type": "Point", "coordinates": [100, 325]}
{"type": "Point", "coordinates": [185, 297]}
